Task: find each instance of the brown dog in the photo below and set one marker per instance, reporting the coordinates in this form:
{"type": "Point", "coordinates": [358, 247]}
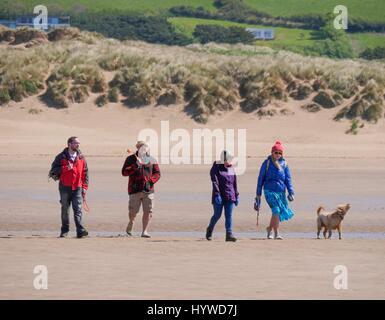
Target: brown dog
{"type": "Point", "coordinates": [331, 220]}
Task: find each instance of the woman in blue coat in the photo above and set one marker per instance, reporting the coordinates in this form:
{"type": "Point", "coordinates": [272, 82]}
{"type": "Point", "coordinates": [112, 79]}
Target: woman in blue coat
{"type": "Point", "coordinates": [224, 195]}
{"type": "Point", "coordinates": [274, 177]}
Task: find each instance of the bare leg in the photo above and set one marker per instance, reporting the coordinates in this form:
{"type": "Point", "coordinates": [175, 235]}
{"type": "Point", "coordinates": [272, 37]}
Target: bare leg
{"type": "Point", "coordinates": [131, 217]}
{"type": "Point", "coordinates": [145, 220]}
{"type": "Point", "coordinates": [275, 223]}
{"type": "Point", "coordinates": [268, 229]}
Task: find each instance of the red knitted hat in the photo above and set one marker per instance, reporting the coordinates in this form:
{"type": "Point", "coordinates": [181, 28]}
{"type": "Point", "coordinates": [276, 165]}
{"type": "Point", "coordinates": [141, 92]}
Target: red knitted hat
{"type": "Point", "coordinates": [277, 146]}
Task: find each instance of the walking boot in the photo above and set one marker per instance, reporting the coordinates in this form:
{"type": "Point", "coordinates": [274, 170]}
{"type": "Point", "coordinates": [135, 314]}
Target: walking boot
{"type": "Point", "coordinates": [230, 237]}
{"type": "Point", "coordinates": [209, 234]}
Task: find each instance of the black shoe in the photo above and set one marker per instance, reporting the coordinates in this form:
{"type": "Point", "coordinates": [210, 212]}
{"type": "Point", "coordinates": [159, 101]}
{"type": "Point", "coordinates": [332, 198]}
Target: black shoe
{"type": "Point", "coordinates": [230, 237]}
{"type": "Point", "coordinates": [209, 234]}
{"type": "Point", "coordinates": [63, 234]}
{"type": "Point", "coordinates": [82, 234]}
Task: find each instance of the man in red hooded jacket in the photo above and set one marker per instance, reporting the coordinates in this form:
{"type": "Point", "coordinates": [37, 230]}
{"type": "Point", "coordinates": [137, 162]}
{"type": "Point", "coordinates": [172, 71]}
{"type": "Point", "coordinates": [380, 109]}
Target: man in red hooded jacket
{"type": "Point", "coordinates": [70, 167]}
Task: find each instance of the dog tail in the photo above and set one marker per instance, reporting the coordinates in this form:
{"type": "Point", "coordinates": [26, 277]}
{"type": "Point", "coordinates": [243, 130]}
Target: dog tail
{"type": "Point", "coordinates": [319, 210]}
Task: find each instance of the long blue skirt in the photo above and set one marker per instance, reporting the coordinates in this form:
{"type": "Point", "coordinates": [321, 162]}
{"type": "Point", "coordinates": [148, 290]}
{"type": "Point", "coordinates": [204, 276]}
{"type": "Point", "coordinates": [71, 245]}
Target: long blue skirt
{"type": "Point", "coordinates": [279, 206]}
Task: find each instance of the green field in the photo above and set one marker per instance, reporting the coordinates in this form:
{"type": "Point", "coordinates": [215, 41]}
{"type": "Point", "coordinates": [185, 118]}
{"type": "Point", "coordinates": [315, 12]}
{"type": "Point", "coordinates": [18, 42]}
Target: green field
{"type": "Point", "coordinates": [285, 38]}
{"type": "Point", "coordinates": [369, 10]}
{"type": "Point", "coordinates": [145, 6]}
{"type": "Point", "coordinates": [368, 40]}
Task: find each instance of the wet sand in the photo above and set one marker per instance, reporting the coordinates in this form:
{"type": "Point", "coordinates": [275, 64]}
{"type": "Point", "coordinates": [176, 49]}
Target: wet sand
{"type": "Point", "coordinates": [182, 201]}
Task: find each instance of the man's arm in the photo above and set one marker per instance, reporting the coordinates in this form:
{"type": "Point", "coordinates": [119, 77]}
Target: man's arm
{"type": "Point", "coordinates": [129, 167]}
{"type": "Point", "coordinates": [85, 176]}
{"type": "Point", "coordinates": [155, 173]}
{"type": "Point", "coordinates": [56, 167]}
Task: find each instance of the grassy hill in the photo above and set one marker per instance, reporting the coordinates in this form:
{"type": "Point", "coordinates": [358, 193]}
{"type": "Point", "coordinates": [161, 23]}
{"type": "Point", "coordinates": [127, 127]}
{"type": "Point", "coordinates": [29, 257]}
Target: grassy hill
{"type": "Point", "coordinates": [293, 39]}
{"type": "Point", "coordinates": [144, 6]}
{"type": "Point", "coordinates": [368, 10]}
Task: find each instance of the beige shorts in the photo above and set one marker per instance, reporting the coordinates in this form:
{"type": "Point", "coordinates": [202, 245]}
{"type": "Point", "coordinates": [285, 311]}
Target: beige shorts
{"type": "Point", "coordinates": [140, 198]}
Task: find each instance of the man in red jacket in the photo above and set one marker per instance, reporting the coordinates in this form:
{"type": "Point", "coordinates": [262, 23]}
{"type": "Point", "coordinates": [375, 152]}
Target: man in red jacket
{"type": "Point", "coordinates": [143, 173]}
{"type": "Point", "coordinates": [70, 167]}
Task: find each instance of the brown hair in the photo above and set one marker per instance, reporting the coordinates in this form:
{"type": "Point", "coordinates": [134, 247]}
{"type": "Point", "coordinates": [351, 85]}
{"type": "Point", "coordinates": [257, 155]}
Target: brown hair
{"type": "Point", "coordinates": [71, 139]}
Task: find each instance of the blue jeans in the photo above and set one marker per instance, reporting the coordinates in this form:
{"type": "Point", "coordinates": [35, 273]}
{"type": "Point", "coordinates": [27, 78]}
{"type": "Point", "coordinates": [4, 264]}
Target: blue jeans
{"type": "Point", "coordinates": [68, 197]}
{"type": "Point", "coordinates": [228, 205]}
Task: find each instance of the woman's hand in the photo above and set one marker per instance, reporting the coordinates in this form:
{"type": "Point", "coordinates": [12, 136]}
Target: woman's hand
{"type": "Point", "coordinates": [237, 201]}
{"type": "Point", "coordinates": [218, 199]}
{"type": "Point", "coordinates": [257, 203]}
{"type": "Point", "coordinates": [290, 197]}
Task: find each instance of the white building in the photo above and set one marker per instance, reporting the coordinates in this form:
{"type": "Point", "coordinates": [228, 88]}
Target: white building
{"type": "Point", "coordinates": [28, 21]}
{"type": "Point", "coordinates": [261, 34]}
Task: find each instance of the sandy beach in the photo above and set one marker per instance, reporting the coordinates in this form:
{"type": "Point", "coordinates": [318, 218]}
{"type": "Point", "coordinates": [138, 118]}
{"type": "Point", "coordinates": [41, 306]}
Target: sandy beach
{"type": "Point", "coordinates": [175, 268]}
{"type": "Point", "coordinates": [328, 166]}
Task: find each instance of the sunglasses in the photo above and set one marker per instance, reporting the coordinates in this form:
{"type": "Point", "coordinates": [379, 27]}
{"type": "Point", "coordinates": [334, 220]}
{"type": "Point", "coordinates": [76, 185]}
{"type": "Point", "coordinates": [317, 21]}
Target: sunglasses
{"type": "Point", "coordinates": [276, 152]}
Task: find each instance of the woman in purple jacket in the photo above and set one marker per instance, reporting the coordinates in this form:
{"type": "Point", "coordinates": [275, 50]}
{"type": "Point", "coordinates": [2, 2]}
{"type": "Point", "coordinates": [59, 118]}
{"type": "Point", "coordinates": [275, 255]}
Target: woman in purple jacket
{"type": "Point", "coordinates": [274, 178]}
{"type": "Point", "coordinates": [225, 194]}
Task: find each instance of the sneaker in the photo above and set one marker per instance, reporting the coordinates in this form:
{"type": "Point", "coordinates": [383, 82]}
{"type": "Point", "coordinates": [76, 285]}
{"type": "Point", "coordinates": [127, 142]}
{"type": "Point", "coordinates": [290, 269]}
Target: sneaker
{"type": "Point", "coordinates": [145, 235]}
{"type": "Point", "coordinates": [269, 234]}
{"type": "Point", "coordinates": [83, 234]}
{"type": "Point", "coordinates": [230, 237]}
{"type": "Point", "coordinates": [63, 235]}
{"type": "Point", "coordinates": [209, 234]}
{"type": "Point", "coordinates": [278, 237]}
{"type": "Point", "coordinates": [129, 228]}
